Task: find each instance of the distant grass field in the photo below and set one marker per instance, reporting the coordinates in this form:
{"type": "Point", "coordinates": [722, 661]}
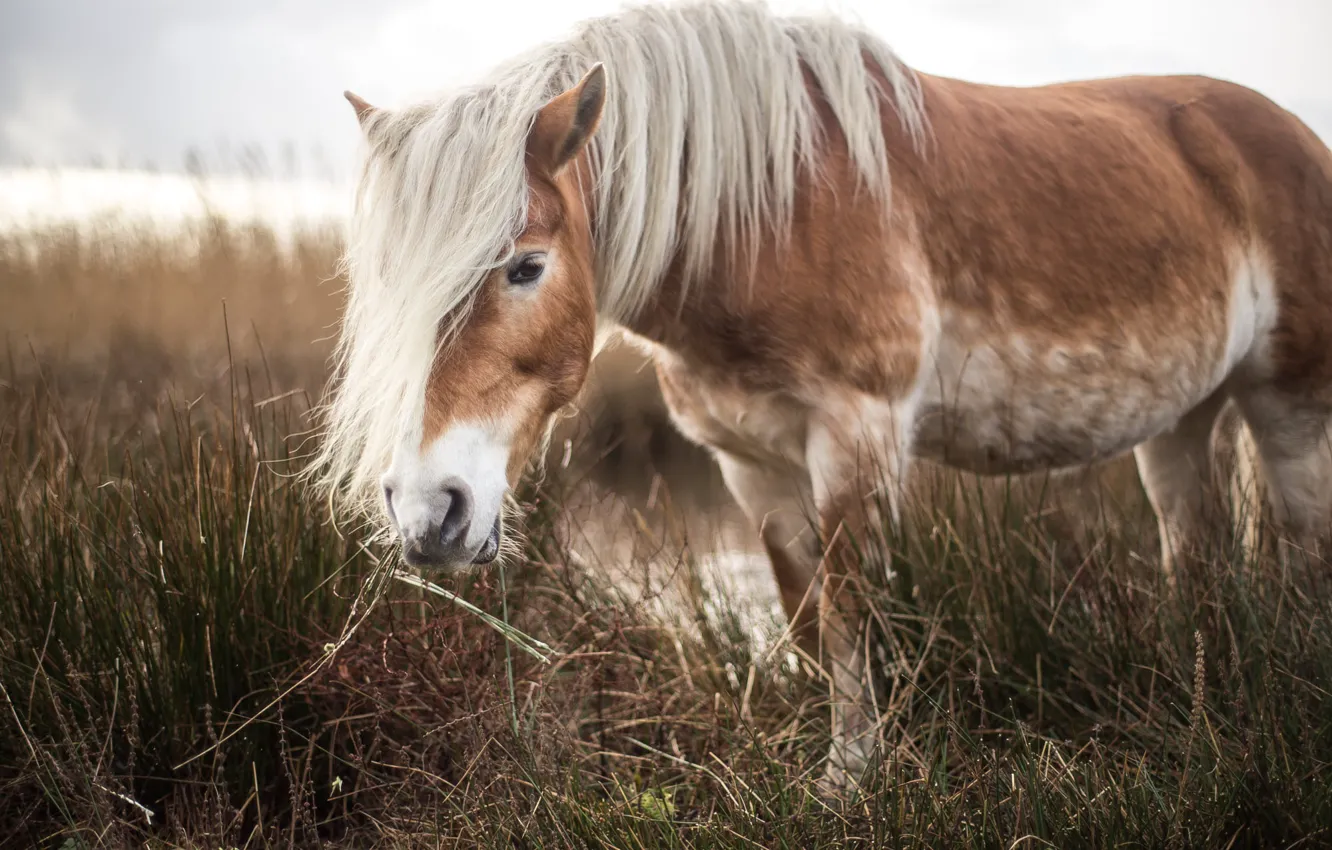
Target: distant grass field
{"type": "Point", "coordinates": [192, 655]}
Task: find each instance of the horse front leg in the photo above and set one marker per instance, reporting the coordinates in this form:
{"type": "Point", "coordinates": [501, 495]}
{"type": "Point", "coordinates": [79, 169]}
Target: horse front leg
{"type": "Point", "coordinates": [779, 504]}
{"type": "Point", "coordinates": [858, 467]}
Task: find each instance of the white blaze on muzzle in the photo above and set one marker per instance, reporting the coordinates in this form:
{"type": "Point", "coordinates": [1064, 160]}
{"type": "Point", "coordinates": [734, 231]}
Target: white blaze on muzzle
{"type": "Point", "coordinates": [445, 501]}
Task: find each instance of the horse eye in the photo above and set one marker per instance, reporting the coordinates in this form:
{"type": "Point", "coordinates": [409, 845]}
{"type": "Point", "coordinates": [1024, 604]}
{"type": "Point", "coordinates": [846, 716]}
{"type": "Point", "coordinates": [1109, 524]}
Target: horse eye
{"type": "Point", "coordinates": [527, 269]}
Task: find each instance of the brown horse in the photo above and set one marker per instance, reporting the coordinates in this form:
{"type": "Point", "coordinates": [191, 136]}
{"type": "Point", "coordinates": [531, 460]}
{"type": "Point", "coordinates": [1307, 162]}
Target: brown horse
{"type": "Point", "coordinates": [833, 259]}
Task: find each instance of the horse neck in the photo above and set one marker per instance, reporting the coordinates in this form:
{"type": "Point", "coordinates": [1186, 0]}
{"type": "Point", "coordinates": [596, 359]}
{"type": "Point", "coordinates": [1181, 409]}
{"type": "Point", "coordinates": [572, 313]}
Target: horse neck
{"type": "Point", "coordinates": [679, 313]}
{"type": "Point", "coordinates": [675, 298]}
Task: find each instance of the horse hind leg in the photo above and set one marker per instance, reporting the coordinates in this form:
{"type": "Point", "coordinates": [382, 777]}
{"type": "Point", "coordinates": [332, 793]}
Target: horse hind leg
{"type": "Point", "coordinates": [1176, 471]}
{"type": "Point", "coordinates": [1289, 449]}
{"type": "Point", "coordinates": [1247, 494]}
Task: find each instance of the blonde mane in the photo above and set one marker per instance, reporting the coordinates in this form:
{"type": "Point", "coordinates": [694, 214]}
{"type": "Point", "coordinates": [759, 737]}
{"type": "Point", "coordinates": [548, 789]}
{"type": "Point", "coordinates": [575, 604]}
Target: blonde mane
{"type": "Point", "coordinates": [707, 121]}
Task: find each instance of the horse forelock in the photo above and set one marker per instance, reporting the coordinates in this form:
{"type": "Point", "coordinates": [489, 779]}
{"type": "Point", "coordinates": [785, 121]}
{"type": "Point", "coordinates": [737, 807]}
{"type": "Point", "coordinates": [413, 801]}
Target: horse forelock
{"type": "Point", "coordinates": [707, 123]}
{"type": "Point", "coordinates": [441, 196]}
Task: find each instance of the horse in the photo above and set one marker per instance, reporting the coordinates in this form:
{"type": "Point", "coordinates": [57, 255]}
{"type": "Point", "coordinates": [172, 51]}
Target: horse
{"type": "Point", "coordinates": [839, 264]}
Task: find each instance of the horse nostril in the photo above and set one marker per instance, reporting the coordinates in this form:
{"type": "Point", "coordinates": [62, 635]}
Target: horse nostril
{"type": "Point", "coordinates": [457, 516]}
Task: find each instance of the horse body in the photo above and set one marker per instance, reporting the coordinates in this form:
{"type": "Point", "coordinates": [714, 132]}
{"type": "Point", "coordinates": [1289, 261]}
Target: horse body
{"type": "Point", "coordinates": [1066, 338]}
{"type": "Point", "coordinates": [1051, 277]}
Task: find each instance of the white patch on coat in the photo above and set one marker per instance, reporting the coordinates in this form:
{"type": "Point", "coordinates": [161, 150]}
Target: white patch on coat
{"type": "Point", "coordinates": [1252, 316]}
{"type": "Point", "coordinates": [1000, 401]}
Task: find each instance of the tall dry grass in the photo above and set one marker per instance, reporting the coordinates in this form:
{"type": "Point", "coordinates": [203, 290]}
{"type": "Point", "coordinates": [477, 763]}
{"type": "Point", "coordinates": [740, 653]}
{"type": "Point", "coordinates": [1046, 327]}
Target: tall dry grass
{"type": "Point", "coordinates": [188, 656]}
{"type": "Point", "coordinates": [82, 291]}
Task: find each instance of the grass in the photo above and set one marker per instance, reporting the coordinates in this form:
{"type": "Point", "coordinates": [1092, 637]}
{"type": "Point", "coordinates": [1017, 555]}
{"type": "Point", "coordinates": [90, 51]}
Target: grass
{"type": "Point", "coordinates": [189, 656]}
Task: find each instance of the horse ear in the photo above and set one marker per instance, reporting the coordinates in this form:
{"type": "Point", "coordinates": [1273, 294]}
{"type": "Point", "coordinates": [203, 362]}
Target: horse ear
{"type": "Point", "coordinates": [565, 124]}
{"type": "Point", "coordinates": [364, 111]}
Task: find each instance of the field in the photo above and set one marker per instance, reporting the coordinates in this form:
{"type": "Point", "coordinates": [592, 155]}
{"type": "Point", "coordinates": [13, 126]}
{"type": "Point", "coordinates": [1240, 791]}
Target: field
{"type": "Point", "coordinates": [193, 655]}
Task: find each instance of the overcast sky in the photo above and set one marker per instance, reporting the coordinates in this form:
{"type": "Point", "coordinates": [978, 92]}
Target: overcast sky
{"type": "Point", "coordinates": [142, 81]}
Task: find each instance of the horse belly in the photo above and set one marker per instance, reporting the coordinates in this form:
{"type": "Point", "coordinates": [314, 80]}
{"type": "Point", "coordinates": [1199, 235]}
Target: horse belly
{"type": "Point", "coordinates": [1008, 408]}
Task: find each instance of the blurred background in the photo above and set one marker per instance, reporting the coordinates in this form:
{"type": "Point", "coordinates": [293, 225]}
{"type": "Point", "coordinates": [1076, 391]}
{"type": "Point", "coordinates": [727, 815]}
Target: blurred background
{"type": "Point", "coordinates": [250, 85]}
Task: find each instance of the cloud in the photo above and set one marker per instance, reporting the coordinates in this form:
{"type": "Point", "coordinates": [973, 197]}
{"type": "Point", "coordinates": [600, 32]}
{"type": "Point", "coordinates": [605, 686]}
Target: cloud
{"type": "Point", "coordinates": [47, 118]}
{"type": "Point", "coordinates": [149, 79]}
